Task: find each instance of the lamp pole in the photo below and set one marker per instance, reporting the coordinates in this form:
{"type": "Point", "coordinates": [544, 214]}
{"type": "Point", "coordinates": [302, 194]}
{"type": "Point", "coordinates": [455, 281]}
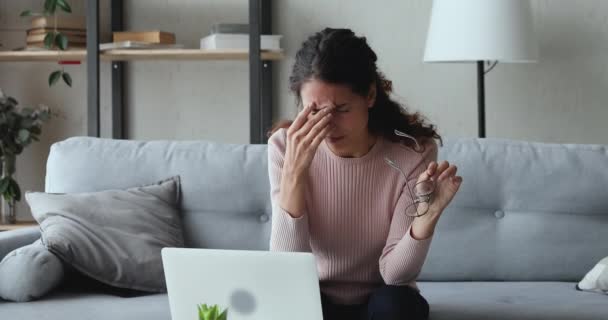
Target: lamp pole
{"type": "Point", "coordinates": [481, 99]}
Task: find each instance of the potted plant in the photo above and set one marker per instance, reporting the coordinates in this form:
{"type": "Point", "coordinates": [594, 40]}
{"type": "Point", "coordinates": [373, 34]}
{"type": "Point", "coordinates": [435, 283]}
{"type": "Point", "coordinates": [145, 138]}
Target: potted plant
{"type": "Point", "coordinates": [54, 38]}
{"type": "Point", "coordinates": [211, 312]}
{"type": "Point", "coordinates": [19, 127]}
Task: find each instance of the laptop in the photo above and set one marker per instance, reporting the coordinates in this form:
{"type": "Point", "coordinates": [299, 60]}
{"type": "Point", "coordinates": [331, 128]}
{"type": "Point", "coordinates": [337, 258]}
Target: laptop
{"type": "Point", "coordinates": [260, 285]}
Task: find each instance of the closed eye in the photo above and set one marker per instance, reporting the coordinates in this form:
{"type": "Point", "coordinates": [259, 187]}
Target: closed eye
{"type": "Point", "coordinates": [342, 108]}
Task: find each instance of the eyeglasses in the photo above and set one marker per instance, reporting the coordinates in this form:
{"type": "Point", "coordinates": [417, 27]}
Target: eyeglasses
{"type": "Point", "coordinates": [422, 195]}
{"type": "Point", "coordinates": [423, 190]}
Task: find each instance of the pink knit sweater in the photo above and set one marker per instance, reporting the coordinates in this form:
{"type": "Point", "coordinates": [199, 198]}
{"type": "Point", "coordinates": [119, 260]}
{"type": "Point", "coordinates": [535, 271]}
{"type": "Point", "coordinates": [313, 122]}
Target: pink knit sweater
{"type": "Point", "coordinates": [354, 223]}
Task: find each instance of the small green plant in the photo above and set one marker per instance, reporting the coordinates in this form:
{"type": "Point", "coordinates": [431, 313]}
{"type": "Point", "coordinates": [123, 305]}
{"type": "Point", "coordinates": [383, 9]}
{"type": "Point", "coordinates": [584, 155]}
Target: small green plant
{"type": "Point", "coordinates": [54, 38]}
{"type": "Point", "coordinates": [19, 127]}
{"type": "Point", "coordinates": [211, 312]}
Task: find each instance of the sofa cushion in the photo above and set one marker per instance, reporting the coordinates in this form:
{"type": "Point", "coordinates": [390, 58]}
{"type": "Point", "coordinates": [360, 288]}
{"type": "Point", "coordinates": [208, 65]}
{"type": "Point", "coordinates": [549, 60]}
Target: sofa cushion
{"type": "Point", "coordinates": [29, 273]}
{"type": "Point", "coordinates": [71, 305]}
{"type": "Point", "coordinates": [448, 300]}
{"type": "Point", "coordinates": [512, 300]}
{"type": "Point", "coordinates": [113, 236]}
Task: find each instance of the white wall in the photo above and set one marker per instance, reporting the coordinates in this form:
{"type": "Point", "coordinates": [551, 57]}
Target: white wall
{"type": "Point", "coordinates": [563, 98]}
{"type": "Point", "coordinates": [560, 99]}
{"type": "Point", "coordinates": [192, 99]}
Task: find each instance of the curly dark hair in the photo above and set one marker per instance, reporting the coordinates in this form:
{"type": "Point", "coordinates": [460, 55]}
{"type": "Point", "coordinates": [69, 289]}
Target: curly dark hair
{"type": "Point", "coordinates": [338, 56]}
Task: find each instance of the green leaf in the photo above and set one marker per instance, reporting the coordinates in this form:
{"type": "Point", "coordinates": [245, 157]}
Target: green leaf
{"type": "Point", "coordinates": [16, 191]}
{"type": "Point", "coordinates": [49, 39]}
{"type": "Point", "coordinates": [61, 40]}
{"type": "Point", "coordinates": [54, 77]}
{"type": "Point", "coordinates": [200, 312]}
{"type": "Point", "coordinates": [44, 116]}
{"type": "Point", "coordinates": [26, 13]}
{"type": "Point", "coordinates": [4, 185]}
{"type": "Point", "coordinates": [64, 6]}
{"type": "Point", "coordinates": [27, 112]}
{"type": "Point", "coordinates": [12, 101]}
{"type": "Point", "coordinates": [23, 136]}
{"type": "Point", "coordinates": [223, 315]}
{"type": "Point", "coordinates": [50, 6]}
{"type": "Point", "coordinates": [67, 78]}
{"type": "Point", "coordinates": [35, 130]}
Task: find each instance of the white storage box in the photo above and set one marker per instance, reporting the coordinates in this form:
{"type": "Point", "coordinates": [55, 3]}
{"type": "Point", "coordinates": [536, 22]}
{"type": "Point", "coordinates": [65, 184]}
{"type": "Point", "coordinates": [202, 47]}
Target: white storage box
{"type": "Point", "coordinates": [239, 41]}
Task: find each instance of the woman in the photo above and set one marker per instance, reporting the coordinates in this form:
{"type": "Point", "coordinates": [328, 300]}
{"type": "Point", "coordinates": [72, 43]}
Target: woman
{"type": "Point", "coordinates": [345, 175]}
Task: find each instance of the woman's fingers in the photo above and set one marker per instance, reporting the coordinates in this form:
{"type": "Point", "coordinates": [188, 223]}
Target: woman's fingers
{"type": "Point", "coordinates": [319, 137]}
{"type": "Point", "coordinates": [449, 172]}
{"type": "Point", "coordinates": [314, 119]}
{"type": "Point", "coordinates": [430, 170]}
{"type": "Point", "coordinates": [300, 119]}
{"type": "Point", "coordinates": [318, 127]}
{"type": "Point", "coordinates": [440, 168]}
{"type": "Point", "coordinates": [456, 180]}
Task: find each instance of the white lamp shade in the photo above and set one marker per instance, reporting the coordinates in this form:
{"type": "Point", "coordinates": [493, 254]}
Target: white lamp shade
{"type": "Point", "coordinates": [481, 30]}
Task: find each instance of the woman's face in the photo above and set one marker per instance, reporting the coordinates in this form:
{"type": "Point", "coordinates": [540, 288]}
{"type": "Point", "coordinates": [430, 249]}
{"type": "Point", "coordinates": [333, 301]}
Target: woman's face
{"type": "Point", "coordinates": [350, 115]}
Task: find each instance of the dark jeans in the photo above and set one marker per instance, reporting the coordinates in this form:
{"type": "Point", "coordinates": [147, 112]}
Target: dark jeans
{"type": "Point", "coordinates": [385, 303]}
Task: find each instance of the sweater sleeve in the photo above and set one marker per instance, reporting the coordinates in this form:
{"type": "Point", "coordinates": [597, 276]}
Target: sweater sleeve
{"type": "Point", "coordinates": [403, 256]}
{"type": "Point", "coordinates": [287, 233]}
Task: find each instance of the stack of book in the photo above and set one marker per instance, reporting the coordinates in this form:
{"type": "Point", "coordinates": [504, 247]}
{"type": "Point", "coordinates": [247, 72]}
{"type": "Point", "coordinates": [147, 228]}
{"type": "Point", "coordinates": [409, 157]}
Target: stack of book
{"type": "Point", "coordinates": [155, 39]}
{"type": "Point", "coordinates": [74, 27]}
{"type": "Point", "coordinates": [155, 36]}
{"type": "Point", "coordinates": [236, 36]}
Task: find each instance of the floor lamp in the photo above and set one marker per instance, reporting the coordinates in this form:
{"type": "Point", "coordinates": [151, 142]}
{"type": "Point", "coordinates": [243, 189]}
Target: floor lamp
{"type": "Point", "coordinates": [481, 31]}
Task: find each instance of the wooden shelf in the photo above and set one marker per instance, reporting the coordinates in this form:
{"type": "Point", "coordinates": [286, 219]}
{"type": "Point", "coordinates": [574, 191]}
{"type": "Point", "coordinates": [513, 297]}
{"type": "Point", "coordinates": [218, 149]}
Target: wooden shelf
{"type": "Point", "coordinates": [184, 54]}
{"type": "Point", "coordinates": [134, 54]}
{"type": "Point", "coordinates": [49, 55]}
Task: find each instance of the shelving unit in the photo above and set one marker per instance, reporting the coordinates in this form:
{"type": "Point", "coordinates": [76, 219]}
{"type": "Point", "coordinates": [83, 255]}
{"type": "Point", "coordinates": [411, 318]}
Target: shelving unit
{"type": "Point", "coordinates": [133, 55]}
{"type": "Point", "coordinates": [260, 67]}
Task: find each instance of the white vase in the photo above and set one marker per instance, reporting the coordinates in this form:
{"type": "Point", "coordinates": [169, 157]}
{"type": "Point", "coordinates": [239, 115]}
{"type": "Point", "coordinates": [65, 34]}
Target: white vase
{"type": "Point", "coordinates": [9, 213]}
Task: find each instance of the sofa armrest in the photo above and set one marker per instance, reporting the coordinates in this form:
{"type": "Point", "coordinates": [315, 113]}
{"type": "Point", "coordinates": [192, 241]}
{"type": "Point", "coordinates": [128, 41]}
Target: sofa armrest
{"type": "Point", "coordinates": [13, 239]}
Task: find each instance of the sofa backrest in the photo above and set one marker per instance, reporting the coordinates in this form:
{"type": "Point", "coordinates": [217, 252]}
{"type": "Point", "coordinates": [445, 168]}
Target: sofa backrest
{"type": "Point", "coordinates": [225, 187]}
{"type": "Point", "coordinates": [526, 211]}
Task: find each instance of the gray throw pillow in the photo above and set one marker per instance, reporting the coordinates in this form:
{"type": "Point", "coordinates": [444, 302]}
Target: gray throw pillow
{"type": "Point", "coordinates": [29, 272]}
{"type": "Point", "coordinates": [113, 236]}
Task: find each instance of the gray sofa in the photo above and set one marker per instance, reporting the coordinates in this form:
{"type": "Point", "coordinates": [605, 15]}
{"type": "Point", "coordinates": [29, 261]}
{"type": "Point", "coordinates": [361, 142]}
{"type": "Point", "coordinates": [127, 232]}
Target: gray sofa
{"type": "Point", "coordinates": [530, 220]}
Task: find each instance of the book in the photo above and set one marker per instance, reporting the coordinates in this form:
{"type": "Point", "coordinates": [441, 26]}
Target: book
{"type": "Point", "coordinates": [239, 41]}
{"type": "Point", "coordinates": [230, 28]}
{"type": "Point", "coordinates": [74, 32]}
{"type": "Point", "coordinates": [40, 38]}
{"type": "Point", "coordinates": [63, 22]}
{"type": "Point", "coordinates": [137, 45]}
{"type": "Point", "coordinates": [144, 36]}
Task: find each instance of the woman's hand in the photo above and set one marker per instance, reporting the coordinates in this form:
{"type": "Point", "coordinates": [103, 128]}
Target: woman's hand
{"type": "Point", "coordinates": [303, 138]}
{"type": "Point", "coordinates": [447, 184]}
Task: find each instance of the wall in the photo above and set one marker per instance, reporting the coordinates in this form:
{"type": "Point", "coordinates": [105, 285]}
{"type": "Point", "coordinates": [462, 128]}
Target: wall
{"type": "Point", "coordinates": [561, 99]}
